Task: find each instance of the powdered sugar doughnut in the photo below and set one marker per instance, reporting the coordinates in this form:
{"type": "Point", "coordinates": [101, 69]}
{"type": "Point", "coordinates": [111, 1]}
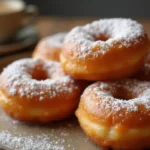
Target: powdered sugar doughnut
{"type": "Point", "coordinates": [38, 91]}
{"type": "Point", "coordinates": [106, 49]}
{"type": "Point", "coordinates": [117, 114]}
{"type": "Point", "coordinates": [49, 48]}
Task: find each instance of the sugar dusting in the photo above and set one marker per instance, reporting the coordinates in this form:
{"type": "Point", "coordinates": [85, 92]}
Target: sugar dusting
{"type": "Point", "coordinates": [123, 31]}
{"type": "Point", "coordinates": [20, 81]}
{"type": "Point", "coordinates": [41, 142]}
{"type": "Point", "coordinates": [64, 135]}
{"type": "Point", "coordinates": [55, 40]}
{"type": "Point", "coordinates": [104, 90]}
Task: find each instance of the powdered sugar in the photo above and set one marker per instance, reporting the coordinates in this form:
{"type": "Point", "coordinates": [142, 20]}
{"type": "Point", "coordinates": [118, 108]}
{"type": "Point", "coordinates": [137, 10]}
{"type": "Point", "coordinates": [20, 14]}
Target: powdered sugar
{"type": "Point", "coordinates": [120, 33]}
{"type": "Point", "coordinates": [55, 40]}
{"type": "Point", "coordinates": [29, 142]}
{"type": "Point", "coordinates": [64, 135]}
{"type": "Point", "coordinates": [18, 80]}
{"type": "Point", "coordinates": [104, 93]}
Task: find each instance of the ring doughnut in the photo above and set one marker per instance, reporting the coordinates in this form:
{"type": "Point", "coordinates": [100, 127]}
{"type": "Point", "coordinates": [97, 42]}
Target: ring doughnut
{"type": "Point", "coordinates": [107, 49]}
{"type": "Point", "coordinates": [117, 114]}
{"type": "Point", "coordinates": [34, 90]}
{"type": "Point", "coordinates": [49, 48]}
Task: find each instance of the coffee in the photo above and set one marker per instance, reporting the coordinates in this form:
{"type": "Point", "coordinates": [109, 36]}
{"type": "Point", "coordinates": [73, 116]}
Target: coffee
{"type": "Point", "coordinates": [9, 6]}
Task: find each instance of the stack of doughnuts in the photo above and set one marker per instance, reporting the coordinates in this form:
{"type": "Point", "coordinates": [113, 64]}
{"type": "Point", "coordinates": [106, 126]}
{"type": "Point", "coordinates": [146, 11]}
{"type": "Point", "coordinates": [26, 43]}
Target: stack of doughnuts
{"type": "Point", "coordinates": [114, 110]}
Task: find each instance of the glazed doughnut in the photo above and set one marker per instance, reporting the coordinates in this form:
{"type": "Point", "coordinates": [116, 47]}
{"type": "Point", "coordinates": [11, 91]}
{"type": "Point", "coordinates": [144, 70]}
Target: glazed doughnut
{"type": "Point", "coordinates": [34, 90]}
{"type": "Point", "coordinates": [117, 114]}
{"type": "Point", "coordinates": [107, 49]}
{"type": "Point", "coordinates": [49, 48]}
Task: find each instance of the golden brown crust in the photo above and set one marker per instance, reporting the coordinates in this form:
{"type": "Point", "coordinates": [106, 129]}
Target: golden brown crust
{"type": "Point", "coordinates": [116, 64]}
{"type": "Point", "coordinates": [124, 111]}
{"type": "Point", "coordinates": [134, 144]}
{"type": "Point", "coordinates": [49, 48]}
{"type": "Point", "coordinates": [116, 114]}
{"type": "Point", "coordinates": [104, 61]}
{"type": "Point", "coordinates": [38, 112]}
{"type": "Point", "coordinates": [27, 95]}
{"type": "Point", "coordinates": [138, 143]}
{"type": "Point", "coordinates": [46, 52]}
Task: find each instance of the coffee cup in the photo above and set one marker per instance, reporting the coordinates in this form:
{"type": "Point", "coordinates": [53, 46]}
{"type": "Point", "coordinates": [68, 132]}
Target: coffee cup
{"type": "Point", "coordinates": [14, 14]}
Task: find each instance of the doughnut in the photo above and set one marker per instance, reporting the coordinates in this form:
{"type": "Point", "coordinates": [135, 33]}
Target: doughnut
{"type": "Point", "coordinates": [49, 48]}
{"type": "Point", "coordinates": [107, 49]}
{"type": "Point", "coordinates": [35, 90]}
{"type": "Point", "coordinates": [117, 114]}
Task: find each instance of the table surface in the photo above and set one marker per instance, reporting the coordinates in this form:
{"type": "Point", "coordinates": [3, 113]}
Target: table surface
{"type": "Point", "coordinates": [51, 25]}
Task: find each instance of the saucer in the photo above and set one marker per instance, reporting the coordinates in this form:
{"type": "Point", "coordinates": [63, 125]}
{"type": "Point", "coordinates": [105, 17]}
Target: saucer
{"type": "Point", "coordinates": [25, 38]}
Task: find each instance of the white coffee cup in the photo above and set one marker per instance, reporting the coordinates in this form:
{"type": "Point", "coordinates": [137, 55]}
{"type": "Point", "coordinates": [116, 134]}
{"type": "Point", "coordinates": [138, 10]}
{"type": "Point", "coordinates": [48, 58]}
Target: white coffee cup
{"type": "Point", "coordinates": [14, 15]}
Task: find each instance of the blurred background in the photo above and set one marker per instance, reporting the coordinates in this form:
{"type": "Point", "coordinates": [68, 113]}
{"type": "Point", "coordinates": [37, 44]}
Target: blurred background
{"type": "Point", "coordinates": [62, 15]}
{"type": "Point", "coordinates": [99, 8]}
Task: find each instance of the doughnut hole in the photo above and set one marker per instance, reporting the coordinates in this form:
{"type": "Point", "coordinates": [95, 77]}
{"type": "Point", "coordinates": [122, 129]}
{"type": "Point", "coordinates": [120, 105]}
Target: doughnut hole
{"type": "Point", "coordinates": [123, 94]}
{"type": "Point", "coordinates": [39, 74]}
{"type": "Point", "coordinates": [102, 37]}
